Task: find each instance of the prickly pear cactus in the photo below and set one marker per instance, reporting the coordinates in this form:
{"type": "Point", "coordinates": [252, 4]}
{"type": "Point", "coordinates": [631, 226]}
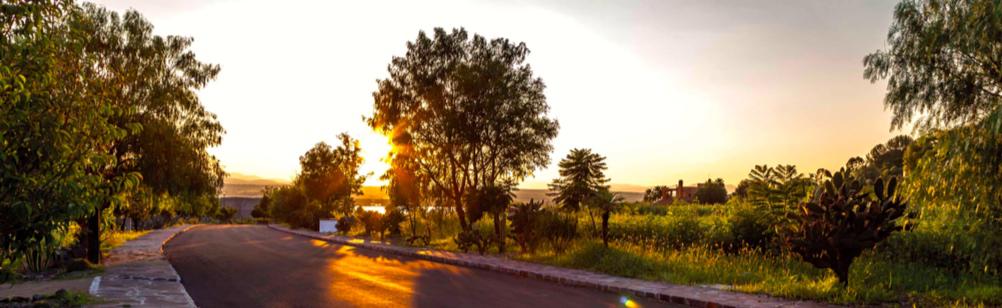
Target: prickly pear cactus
{"type": "Point", "coordinates": [844, 218]}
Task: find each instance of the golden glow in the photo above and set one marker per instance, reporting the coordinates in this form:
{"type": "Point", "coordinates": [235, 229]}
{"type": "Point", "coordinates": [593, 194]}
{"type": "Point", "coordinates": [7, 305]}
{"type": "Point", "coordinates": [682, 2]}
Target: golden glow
{"type": "Point", "coordinates": [375, 150]}
{"type": "Point", "coordinates": [669, 91]}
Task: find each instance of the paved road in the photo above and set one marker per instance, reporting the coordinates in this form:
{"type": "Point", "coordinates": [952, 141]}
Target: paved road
{"type": "Point", "coordinates": [252, 266]}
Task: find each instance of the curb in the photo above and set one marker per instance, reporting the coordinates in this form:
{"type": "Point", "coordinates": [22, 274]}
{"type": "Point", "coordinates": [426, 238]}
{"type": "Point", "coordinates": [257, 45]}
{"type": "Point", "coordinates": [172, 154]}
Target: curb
{"type": "Point", "coordinates": [675, 294]}
{"type": "Point", "coordinates": [180, 281]}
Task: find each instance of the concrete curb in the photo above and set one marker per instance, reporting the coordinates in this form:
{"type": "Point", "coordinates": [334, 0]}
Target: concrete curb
{"type": "Point", "coordinates": [676, 294]}
{"type": "Point", "coordinates": [139, 274]}
{"type": "Point", "coordinates": [163, 252]}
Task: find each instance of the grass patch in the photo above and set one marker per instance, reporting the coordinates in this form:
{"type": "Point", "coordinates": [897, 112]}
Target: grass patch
{"type": "Point", "coordinates": [112, 239]}
{"type": "Point", "coordinates": [872, 280]}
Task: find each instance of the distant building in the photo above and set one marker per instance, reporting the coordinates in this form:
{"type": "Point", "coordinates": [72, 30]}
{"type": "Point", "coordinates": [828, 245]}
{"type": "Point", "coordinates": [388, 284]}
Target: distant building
{"type": "Point", "coordinates": [680, 192]}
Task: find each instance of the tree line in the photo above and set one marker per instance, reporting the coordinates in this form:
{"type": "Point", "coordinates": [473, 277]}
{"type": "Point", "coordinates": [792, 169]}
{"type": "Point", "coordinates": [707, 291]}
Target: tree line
{"type": "Point", "coordinates": [100, 123]}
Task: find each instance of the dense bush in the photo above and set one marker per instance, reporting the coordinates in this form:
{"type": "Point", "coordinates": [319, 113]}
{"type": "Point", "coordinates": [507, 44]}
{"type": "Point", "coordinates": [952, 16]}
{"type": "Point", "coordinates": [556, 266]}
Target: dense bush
{"type": "Point", "coordinates": [372, 222]}
{"type": "Point", "coordinates": [474, 238]}
{"type": "Point", "coordinates": [559, 229]}
{"type": "Point", "coordinates": [524, 219]}
{"type": "Point", "coordinates": [751, 226]}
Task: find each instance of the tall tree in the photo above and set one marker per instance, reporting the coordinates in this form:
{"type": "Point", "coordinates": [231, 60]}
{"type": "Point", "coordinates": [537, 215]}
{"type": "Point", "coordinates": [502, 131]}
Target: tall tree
{"type": "Point", "coordinates": [944, 71]}
{"type": "Point", "coordinates": [54, 125]}
{"type": "Point", "coordinates": [330, 176]}
{"type": "Point", "coordinates": [153, 80]}
{"type": "Point", "coordinates": [474, 114]}
{"type": "Point", "coordinates": [582, 175]}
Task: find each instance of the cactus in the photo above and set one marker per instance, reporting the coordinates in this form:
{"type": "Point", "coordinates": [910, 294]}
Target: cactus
{"type": "Point", "coordinates": [843, 219]}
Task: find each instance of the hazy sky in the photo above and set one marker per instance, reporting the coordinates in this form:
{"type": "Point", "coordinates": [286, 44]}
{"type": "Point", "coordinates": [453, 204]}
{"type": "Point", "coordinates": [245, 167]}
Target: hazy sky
{"type": "Point", "coordinates": [667, 90]}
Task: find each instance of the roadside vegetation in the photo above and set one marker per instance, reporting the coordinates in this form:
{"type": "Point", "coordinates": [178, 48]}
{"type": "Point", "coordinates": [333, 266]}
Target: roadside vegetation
{"type": "Point", "coordinates": [916, 221]}
{"type": "Point", "coordinates": [101, 132]}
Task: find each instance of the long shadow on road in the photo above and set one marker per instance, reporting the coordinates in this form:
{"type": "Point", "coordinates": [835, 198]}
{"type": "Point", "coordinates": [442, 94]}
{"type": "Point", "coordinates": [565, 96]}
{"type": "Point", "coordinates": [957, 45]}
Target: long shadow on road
{"type": "Point", "coordinates": [254, 266]}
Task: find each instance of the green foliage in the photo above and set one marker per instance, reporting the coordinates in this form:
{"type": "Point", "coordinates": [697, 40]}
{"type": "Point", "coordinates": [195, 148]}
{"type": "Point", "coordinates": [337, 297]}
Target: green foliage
{"type": "Point", "coordinates": [226, 214]}
{"type": "Point", "coordinates": [559, 229]}
{"type": "Point", "coordinates": [524, 219]}
{"type": "Point", "coordinates": [372, 222]}
{"type": "Point", "coordinates": [582, 175]}
{"type": "Point", "coordinates": [344, 224]}
{"type": "Point", "coordinates": [473, 238]}
{"type": "Point", "coordinates": [606, 202]}
{"type": "Point", "coordinates": [712, 192]}
{"type": "Point", "coordinates": [328, 179]}
{"type": "Point", "coordinates": [470, 110]}
{"type": "Point", "coordinates": [494, 200]}
{"type": "Point", "coordinates": [656, 193]}
{"type": "Point", "coordinates": [752, 226]}
{"type": "Point", "coordinates": [330, 176]}
{"type": "Point", "coordinates": [843, 220]}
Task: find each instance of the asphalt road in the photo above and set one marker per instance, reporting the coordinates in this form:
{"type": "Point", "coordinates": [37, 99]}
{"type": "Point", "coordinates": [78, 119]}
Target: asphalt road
{"type": "Point", "coordinates": [254, 266]}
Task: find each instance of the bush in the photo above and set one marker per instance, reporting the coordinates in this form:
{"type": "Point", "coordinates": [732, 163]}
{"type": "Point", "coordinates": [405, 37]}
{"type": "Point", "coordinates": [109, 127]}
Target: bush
{"type": "Point", "coordinates": [558, 229]}
{"type": "Point", "coordinates": [344, 224]}
{"type": "Point", "coordinates": [226, 214]}
{"type": "Point", "coordinates": [524, 217]}
{"type": "Point", "coordinates": [392, 220]}
{"type": "Point", "coordinates": [372, 221]}
{"type": "Point", "coordinates": [474, 238]}
{"type": "Point", "coordinates": [751, 226]}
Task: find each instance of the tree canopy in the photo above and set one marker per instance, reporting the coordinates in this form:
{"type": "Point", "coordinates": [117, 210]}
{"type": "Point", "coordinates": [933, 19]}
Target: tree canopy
{"type": "Point", "coordinates": [472, 111]}
{"type": "Point", "coordinates": [582, 175]}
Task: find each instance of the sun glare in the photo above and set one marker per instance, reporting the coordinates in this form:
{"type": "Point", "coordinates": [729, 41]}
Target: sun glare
{"type": "Point", "coordinates": [375, 148]}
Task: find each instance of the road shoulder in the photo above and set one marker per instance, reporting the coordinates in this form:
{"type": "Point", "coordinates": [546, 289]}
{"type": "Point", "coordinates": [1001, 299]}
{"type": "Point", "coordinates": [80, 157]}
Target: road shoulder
{"type": "Point", "coordinates": [138, 274]}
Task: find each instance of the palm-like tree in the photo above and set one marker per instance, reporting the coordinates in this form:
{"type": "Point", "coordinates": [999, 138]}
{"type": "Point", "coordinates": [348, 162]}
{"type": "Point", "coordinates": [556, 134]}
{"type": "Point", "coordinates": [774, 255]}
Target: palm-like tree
{"type": "Point", "coordinates": [582, 174]}
{"type": "Point", "coordinates": [606, 202]}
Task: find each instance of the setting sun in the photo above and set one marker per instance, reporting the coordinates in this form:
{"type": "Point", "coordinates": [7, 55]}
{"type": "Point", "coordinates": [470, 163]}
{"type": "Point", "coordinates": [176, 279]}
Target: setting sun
{"type": "Point", "coordinates": [375, 148]}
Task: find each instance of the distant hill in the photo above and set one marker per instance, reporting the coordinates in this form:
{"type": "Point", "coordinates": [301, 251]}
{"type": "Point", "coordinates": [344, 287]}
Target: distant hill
{"type": "Point", "coordinates": [523, 195]}
{"type": "Point", "coordinates": [246, 186]}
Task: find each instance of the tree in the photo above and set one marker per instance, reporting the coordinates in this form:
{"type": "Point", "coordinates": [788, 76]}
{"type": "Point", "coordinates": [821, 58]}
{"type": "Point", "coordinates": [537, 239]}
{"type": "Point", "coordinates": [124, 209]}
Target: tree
{"type": "Point", "coordinates": [53, 126]}
{"type": "Point", "coordinates": [942, 64]}
{"type": "Point", "coordinates": [582, 175]}
{"type": "Point", "coordinates": [524, 219]}
{"type": "Point", "coordinates": [656, 193]}
{"type": "Point", "coordinates": [473, 113]}
{"type": "Point", "coordinates": [493, 200]}
{"type": "Point", "coordinates": [943, 72]}
{"type": "Point", "coordinates": [843, 219]}
{"type": "Point", "coordinates": [712, 192]}
{"type": "Point", "coordinates": [152, 80]}
{"type": "Point", "coordinates": [606, 202]}
{"type": "Point", "coordinates": [330, 176]}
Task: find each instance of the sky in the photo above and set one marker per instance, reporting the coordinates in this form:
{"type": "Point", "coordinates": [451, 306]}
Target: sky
{"type": "Point", "coordinates": [666, 90]}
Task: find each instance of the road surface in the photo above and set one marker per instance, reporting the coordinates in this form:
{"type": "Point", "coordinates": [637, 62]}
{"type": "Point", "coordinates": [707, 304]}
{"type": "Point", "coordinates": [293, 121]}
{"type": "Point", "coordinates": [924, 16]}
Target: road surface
{"type": "Point", "coordinates": [254, 266]}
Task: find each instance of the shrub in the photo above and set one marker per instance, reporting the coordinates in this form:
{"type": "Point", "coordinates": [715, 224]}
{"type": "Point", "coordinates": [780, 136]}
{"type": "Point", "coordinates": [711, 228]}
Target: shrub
{"type": "Point", "coordinates": [842, 220]}
{"type": "Point", "coordinates": [524, 217]}
{"type": "Point", "coordinates": [372, 222]}
{"type": "Point", "coordinates": [226, 214]}
{"type": "Point", "coordinates": [751, 226]}
{"type": "Point", "coordinates": [558, 229]}
{"type": "Point", "coordinates": [392, 220]}
{"type": "Point", "coordinates": [344, 224]}
{"type": "Point", "coordinates": [474, 238]}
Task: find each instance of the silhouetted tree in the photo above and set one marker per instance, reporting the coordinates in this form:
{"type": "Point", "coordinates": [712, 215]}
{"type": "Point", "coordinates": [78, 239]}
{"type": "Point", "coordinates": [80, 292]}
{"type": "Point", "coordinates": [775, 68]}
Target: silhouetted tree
{"type": "Point", "coordinates": [655, 193]}
{"type": "Point", "coordinates": [843, 219]}
{"type": "Point", "coordinates": [712, 192]}
{"type": "Point", "coordinates": [473, 113]}
{"type": "Point", "coordinates": [582, 175]}
{"type": "Point", "coordinates": [606, 202]}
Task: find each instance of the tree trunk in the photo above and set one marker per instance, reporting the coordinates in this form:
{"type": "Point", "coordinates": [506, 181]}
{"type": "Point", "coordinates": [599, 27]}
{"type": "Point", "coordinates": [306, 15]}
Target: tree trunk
{"type": "Point", "coordinates": [842, 272]}
{"type": "Point", "coordinates": [462, 214]}
{"type": "Point", "coordinates": [94, 237]}
{"type": "Point", "coordinates": [498, 232]}
{"type": "Point", "coordinates": [605, 229]}
{"type": "Point", "coordinates": [594, 228]}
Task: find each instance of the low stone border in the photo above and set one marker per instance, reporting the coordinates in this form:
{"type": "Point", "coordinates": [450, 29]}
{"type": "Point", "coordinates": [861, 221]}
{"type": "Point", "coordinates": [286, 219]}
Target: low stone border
{"type": "Point", "coordinates": [138, 274]}
{"type": "Point", "coordinates": [676, 294]}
